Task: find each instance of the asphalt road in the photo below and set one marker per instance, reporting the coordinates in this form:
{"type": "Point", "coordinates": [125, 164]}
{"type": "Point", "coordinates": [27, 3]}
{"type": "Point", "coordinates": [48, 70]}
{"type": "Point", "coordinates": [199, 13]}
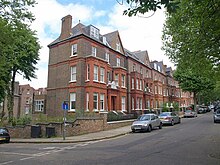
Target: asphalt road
{"type": "Point", "coordinates": [196, 141]}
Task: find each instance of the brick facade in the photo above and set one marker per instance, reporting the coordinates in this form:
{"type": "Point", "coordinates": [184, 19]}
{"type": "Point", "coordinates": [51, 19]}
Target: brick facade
{"type": "Point", "coordinates": [94, 72]}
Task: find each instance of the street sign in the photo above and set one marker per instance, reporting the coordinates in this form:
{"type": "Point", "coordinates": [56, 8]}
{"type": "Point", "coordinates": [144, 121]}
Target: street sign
{"type": "Point", "coordinates": [65, 105]}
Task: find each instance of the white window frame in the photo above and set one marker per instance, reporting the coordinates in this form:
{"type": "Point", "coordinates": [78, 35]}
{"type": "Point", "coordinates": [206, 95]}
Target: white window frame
{"type": "Point", "coordinates": [141, 104]}
{"type": "Point", "coordinates": [123, 103]}
{"type": "Point", "coordinates": [116, 79]}
{"type": "Point", "coordinates": [140, 84]}
{"type": "Point", "coordinates": [73, 101]}
{"type": "Point", "coordinates": [132, 103]}
{"type": "Point", "coordinates": [102, 75]}
{"type": "Point", "coordinates": [123, 80]}
{"type": "Point", "coordinates": [73, 50]}
{"type": "Point", "coordinates": [88, 72]}
{"type": "Point", "coordinates": [95, 102]}
{"type": "Point", "coordinates": [137, 83]}
{"type": "Point", "coordinates": [107, 57]}
{"type": "Point", "coordinates": [73, 74]}
{"type": "Point", "coordinates": [134, 67]}
{"type": "Point", "coordinates": [118, 62]}
{"type": "Point", "coordinates": [132, 83]}
{"type": "Point", "coordinates": [102, 102]}
{"type": "Point", "coordinates": [118, 47]}
{"type": "Point", "coordinates": [87, 101]}
{"type": "Point", "coordinates": [94, 50]}
{"type": "Point", "coordinates": [137, 103]}
{"type": "Point", "coordinates": [96, 73]}
{"type": "Point", "coordinates": [94, 32]}
{"type": "Point", "coordinates": [39, 105]}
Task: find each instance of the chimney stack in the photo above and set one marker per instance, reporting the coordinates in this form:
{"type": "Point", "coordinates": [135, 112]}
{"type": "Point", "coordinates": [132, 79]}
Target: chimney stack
{"type": "Point", "coordinates": [66, 27]}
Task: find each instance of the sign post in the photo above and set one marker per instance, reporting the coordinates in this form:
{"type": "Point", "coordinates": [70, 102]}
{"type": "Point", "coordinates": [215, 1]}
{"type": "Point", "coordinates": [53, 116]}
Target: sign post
{"type": "Point", "coordinates": [65, 108]}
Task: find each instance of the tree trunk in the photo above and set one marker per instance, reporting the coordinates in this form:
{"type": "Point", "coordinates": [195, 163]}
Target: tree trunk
{"type": "Point", "coordinates": [194, 99]}
{"type": "Point", "coordinates": [11, 98]}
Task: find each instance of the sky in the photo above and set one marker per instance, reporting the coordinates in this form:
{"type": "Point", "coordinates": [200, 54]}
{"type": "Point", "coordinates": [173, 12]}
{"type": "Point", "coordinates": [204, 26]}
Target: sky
{"type": "Point", "coordinates": [137, 33]}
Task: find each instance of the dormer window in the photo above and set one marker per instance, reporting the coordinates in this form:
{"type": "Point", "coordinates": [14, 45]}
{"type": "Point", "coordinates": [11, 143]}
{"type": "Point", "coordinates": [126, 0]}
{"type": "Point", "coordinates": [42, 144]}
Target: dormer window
{"type": "Point", "coordinates": [74, 50]}
{"type": "Point", "coordinates": [155, 66]}
{"type": "Point", "coordinates": [134, 67]}
{"type": "Point", "coordinates": [118, 47]}
{"type": "Point", "coordinates": [94, 32]}
{"type": "Point", "coordinates": [159, 68]}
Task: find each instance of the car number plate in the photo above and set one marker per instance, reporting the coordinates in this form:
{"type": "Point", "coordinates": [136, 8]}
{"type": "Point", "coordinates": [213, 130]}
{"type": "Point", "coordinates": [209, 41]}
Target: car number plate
{"type": "Point", "coordinates": [137, 128]}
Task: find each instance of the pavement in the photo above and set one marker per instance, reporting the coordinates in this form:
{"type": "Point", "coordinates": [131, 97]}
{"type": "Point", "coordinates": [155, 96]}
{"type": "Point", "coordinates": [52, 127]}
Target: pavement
{"type": "Point", "coordinates": [108, 134]}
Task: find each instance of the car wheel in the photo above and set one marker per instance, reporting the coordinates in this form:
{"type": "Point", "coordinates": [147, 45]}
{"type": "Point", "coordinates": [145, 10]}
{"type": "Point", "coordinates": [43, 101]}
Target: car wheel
{"type": "Point", "coordinates": [160, 126]}
{"type": "Point", "coordinates": [133, 130]}
{"type": "Point", "coordinates": [172, 123]}
{"type": "Point", "coordinates": [179, 120]}
{"type": "Point", "coordinates": [214, 121]}
{"type": "Point", "coordinates": [149, 128]}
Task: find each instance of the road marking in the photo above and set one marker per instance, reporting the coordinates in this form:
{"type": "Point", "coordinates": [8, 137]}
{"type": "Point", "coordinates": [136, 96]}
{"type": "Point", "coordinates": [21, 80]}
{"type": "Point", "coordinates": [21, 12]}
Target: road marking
{"type": "Point", "coordinates": [51, 150]}
{"type": "Point", "coordinates": [6, 163]}
{"type": "Point", "coordinates": [26, 158]}
{"type": "Point", "coordinates": [14, 153]}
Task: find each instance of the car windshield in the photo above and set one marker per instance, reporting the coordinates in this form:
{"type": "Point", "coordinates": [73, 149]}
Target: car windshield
{"type": "Point", "coordinates": [165, 114]}
{"type": "Point", "coordinates": [3, 130]}
{"type": "Point", "coordinates": [188, 111]}
{"type": "Point", "coordinates": [144, 117]}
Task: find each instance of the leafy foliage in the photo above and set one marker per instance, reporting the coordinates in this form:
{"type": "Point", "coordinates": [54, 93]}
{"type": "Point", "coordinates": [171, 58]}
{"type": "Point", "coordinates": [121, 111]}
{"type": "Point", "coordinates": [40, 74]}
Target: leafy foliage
{"type": "Point", "coordinates": [19, 46]}
{"type": "Point", "coordinates": [193, 30]}
{"type": "Point", "coordinates": [144, 6]}
{"type": "Point", "coordinates": [191, 40]}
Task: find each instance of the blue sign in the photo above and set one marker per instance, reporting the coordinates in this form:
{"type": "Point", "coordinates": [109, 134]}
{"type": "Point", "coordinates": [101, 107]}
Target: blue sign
{"type": "Point", "coordinates": [65, 105]}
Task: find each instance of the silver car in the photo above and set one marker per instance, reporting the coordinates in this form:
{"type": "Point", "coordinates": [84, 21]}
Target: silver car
{"type": "Point", "coordinates": [190, 113]}
{"type": "Point", "coordinates": [146, 122]}
{"type": "Point", "coordinates": [216, 116]}
{"type": "Point", "coordinates": [170, 118]}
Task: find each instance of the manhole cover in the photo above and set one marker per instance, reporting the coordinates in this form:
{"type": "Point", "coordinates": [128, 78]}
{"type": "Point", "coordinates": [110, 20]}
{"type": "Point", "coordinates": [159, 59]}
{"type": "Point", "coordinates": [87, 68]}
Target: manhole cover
{"type": "Point", "coordinates": [215, 155]}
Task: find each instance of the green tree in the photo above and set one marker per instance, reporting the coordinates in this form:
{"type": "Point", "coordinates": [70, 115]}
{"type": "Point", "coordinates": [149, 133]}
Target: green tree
{"type": "Point", "coordinates": [192, 81]}
{"type": "Point", "coordinates": [193, 30]}
{"type": "Point", "coordinates": [22, 53]}
{"type": "Point", "coordinates": [5, 41]}
{"type": "Point", "coordinates": [144, 6]}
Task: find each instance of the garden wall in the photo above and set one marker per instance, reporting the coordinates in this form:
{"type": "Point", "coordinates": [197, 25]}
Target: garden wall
{"type": "Point", "coordinates": [80, 126]}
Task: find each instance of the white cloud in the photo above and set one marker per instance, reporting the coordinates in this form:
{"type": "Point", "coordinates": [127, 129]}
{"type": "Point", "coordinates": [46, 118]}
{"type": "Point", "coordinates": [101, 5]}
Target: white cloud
{"type": "Point", "coordinates": [140, 33]}
{"type": "Point", "coordinates": [48, 14]}
{"type": "Point", "coordinates": [136, 33]}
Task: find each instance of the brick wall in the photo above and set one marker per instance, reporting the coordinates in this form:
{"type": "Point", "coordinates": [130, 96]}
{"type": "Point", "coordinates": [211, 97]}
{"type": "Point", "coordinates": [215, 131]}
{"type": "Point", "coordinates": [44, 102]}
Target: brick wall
{"type": "Point", "coordinates": [79, 126]}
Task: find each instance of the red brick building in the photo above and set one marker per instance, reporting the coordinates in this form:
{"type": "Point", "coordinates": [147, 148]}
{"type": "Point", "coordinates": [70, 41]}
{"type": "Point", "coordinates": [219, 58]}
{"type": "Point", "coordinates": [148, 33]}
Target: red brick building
{"type": "Point", "coordinates": [94, 72]}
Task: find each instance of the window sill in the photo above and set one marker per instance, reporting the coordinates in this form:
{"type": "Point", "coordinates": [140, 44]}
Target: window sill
{"type": "Point", "coordinates": [72, 81]}
{"type": "Point", "coordinates": [73, 55]}
{"type": "Point", "coordinates": [72, 110]}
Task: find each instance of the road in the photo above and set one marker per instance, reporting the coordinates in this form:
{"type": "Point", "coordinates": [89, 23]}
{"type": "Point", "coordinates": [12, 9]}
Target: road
{"type": "Point", "coordinates": [196, 141]}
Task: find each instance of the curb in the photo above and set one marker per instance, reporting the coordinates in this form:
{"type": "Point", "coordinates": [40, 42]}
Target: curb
{"type": "Point", "coordinates": [68, 141]}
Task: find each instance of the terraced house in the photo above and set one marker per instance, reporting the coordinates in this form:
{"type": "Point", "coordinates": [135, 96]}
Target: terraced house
{"type": "Point", "coordinates": [94, 72]}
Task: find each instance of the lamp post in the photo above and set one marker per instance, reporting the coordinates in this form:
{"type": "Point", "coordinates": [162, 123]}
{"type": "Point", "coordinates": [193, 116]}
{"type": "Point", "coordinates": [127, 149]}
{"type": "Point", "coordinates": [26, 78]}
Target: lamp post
{"type": "Point", "coordinates": [171, 107]}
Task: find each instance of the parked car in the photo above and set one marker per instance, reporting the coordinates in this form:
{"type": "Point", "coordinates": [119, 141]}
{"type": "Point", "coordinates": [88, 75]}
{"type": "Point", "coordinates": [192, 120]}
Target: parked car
{"type": "Point", "coordinates": [146, 122]}
{"type": "Point", "coordinates": [190, 113]}
{"type": "Point", "coordinates": [201, 110]}
{"type": "Point", "coordinates": [170, 118]}
{"type": "Point", "coordinates": [216, 116]}
{"type": "Point", "coordinates": [4, 135]}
